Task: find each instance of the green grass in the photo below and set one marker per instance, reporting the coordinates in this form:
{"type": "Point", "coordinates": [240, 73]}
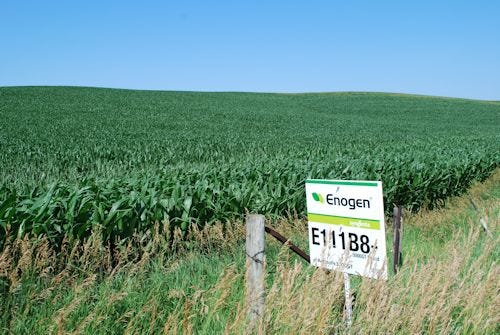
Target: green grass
{"type": "Point", "coordinates": [72, 158]}
{"type": "Point", "coordinates": [448, 282]}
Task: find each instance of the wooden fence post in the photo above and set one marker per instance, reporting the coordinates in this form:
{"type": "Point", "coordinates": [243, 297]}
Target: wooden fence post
{"type": "Point", "coordinates": [397, 241]}
{"type": "Point", "coordinates": [482, 221]}
{"type": "Point", "coordinates": [255, 238]}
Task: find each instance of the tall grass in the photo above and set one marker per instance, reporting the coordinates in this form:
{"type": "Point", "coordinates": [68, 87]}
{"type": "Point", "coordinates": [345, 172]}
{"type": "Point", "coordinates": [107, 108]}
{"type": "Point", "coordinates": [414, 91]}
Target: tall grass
{"type": "Point", "coordinates": [144, 284]}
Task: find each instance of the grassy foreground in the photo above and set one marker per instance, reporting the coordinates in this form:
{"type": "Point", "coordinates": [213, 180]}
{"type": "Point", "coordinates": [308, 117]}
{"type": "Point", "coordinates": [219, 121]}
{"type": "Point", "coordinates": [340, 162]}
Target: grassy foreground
{"type": "Point", "coordinates": [448, 283]}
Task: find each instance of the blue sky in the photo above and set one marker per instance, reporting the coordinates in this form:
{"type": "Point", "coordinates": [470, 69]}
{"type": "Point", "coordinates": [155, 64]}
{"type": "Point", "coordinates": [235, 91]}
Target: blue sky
{"type": "Point", "coordinates": [446, 48]}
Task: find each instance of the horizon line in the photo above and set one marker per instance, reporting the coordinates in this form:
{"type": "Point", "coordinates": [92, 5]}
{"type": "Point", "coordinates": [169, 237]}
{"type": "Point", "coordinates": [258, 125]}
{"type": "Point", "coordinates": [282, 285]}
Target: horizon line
{"type": "Point", "coordinates": [251, 92]}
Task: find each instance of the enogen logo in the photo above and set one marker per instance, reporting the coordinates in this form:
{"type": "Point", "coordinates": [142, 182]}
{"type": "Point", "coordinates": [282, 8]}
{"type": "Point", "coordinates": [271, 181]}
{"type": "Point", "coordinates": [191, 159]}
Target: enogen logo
{"type": "Point", "coordinates": [352, 203]}
{"type": "Point", "coordinates": [318, 197]}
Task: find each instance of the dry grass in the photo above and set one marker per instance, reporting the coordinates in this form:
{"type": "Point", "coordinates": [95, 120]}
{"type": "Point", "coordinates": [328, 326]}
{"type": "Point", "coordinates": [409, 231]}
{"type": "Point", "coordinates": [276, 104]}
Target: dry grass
{"type": "Point", "coordinates": [458, 294]}
{"type": "Point", "coordinates": [147, 284]}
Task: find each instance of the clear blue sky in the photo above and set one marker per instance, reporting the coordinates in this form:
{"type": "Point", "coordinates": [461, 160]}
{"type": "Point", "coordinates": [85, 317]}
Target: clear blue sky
{"type": "Point", "coordinates": [447, 48]}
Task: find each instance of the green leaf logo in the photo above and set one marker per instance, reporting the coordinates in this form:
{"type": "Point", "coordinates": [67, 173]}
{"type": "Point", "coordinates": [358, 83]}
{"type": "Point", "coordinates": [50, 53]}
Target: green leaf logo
{"type": "Point", "coordinates": [318, 197]}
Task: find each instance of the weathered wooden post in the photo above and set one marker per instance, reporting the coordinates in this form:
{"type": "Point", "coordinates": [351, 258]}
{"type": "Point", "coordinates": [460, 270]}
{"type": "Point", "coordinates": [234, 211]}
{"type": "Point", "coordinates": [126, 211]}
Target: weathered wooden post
{"type": "Point", "coordinates": [255, 238]}
{"type": "Point", "coordinates": [482, 221]}
{"type": "Point", "coordinates": [398, 236]}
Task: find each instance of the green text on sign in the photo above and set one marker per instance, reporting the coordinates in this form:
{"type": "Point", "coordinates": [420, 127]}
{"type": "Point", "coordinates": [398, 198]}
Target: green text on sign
{"type": "Point", "coordinates": [344, 221]}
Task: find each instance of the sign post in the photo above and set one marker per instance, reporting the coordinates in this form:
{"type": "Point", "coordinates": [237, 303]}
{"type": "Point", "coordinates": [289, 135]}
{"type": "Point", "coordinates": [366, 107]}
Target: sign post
{"type": "Point", "coordinates": [347, 229]}
{"type": "Point", "coordinates": [348, 299]}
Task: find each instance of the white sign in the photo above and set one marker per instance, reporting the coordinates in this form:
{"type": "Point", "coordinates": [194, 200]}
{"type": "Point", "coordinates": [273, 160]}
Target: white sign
{"type": "Point", "coordinates": [346, 226]}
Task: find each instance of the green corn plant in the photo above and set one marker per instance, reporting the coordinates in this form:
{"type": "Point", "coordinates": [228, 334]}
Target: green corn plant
{"type": "Point", "coordinates": [75, 158]}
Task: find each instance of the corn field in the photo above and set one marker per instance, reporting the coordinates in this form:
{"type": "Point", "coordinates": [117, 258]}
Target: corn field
{"type": "Point", "coordinates": [72, 159]}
